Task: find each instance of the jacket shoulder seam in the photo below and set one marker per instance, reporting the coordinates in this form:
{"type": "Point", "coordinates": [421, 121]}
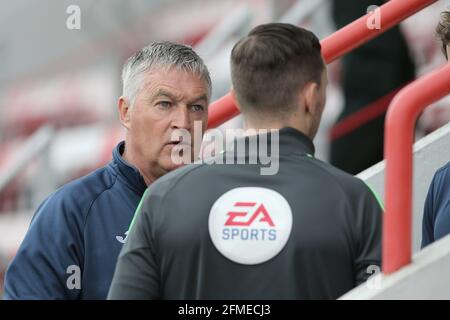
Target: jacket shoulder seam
{"type": "Point", "coordinates": [88, 211]}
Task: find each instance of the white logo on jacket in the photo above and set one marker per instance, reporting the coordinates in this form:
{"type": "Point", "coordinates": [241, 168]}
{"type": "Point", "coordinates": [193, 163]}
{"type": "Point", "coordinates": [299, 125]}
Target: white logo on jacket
{"type": "Point", "coordinates": [122, 239]}
{"type": "Point", "coordinates": [250, 225]}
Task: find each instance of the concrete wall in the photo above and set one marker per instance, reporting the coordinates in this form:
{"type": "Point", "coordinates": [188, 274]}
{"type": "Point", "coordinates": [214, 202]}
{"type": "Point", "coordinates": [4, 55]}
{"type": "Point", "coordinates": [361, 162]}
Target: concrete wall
{"type": "Point", "coordinates": [430, 153]}
{"type": "Point", "coordinates": [425, 278]}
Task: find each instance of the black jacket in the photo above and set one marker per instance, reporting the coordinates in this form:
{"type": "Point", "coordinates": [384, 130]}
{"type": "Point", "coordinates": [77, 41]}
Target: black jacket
{"type": "Point", "coordinates": [217, 231]}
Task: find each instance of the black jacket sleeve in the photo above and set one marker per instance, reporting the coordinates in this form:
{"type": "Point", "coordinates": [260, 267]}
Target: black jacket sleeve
{"type": "Point", "coordinates": [368, 231]}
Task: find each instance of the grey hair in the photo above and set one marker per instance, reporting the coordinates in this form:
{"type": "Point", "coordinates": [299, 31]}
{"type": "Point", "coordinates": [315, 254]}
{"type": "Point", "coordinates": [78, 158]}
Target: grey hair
{"type": "Point", "coordinates": [161, 54]}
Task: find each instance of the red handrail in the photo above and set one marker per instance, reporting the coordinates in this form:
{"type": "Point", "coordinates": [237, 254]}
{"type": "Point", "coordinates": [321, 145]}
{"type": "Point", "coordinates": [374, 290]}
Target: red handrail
{"type": "Point", "coordinates": [336, 45]}
{"type": "Point", "coordinates": [399, 131]}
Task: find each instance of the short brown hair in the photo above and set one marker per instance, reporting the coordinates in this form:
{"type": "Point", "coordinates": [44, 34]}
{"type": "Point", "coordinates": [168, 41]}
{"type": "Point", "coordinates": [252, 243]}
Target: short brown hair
{"type": "Point", "coordinates": [443, 30]}
{"type": "Point", "coordinates": [271, 64]}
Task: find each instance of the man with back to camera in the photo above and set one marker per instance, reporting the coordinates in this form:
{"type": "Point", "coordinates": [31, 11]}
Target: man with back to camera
{"type": "Point", "coordinates": [309, 231]}
{"type": "Point", "coordinates": [71, 248]}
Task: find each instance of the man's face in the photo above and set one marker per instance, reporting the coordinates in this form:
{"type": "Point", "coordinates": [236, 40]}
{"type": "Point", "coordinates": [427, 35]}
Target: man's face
{"type": "Point", "coordinates": [169, 100]}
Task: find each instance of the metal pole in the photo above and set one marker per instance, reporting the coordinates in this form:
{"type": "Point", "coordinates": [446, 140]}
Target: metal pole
{"type": "Point", "coordinates": [399, 134]}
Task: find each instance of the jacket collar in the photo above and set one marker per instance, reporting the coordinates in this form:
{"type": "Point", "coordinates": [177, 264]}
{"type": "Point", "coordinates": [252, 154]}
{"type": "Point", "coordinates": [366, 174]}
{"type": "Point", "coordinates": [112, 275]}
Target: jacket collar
{"type": "Point", "coordinates": [128, 172]}
{"type": "Point", "coordinates": [289, 141]}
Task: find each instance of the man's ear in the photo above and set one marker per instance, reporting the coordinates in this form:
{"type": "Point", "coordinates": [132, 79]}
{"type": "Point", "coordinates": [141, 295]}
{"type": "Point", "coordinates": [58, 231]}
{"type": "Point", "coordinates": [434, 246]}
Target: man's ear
{"type": "Point", "coordinates": [233, 96]}
{"type": "Point", "coordinates": [124, 112]}
{"type": "Point", "coordinates": [310, 94]}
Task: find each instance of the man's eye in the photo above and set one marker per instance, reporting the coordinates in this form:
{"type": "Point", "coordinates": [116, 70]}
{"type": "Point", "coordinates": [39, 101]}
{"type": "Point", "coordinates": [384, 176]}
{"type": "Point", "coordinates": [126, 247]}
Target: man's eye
{"type": "Point", "coordinates": [164, 104]}
{"type": "Point", "coordinates": [197, 107]}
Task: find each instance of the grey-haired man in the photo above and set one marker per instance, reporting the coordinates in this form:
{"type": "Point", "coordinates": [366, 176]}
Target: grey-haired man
{"type": "Point", "coordinates": [74, 239]}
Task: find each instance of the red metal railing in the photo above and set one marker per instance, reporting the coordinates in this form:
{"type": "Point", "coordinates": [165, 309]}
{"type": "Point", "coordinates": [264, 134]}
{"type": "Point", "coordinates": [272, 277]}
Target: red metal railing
{"type": "Point", "coordinates": [399, 131]}
{"type": "Point", "coordinates": [336, 45]}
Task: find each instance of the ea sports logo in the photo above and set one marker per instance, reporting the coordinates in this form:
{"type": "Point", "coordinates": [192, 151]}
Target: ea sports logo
{"type": "Point", "coordinates": [250, 225]}
{"type": "Point", "coordinates": [261, 210]}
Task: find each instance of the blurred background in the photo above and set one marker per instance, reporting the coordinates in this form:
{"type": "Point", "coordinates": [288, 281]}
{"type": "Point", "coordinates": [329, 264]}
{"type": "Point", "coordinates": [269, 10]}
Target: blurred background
{"type": "Point", "coordinates": [59, 86]}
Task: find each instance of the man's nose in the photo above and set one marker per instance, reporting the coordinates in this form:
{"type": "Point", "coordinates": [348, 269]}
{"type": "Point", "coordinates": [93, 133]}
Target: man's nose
{"type": "Point", "coordinates": [181, 119]}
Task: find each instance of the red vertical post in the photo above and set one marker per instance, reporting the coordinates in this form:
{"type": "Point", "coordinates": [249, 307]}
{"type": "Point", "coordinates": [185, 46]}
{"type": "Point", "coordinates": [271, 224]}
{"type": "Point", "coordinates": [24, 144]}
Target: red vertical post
{"type": "Point", "coordinates": [399, 132]}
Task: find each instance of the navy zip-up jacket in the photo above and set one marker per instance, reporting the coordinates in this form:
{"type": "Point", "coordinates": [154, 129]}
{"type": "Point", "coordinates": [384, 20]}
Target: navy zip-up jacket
{"type": "Point", "coordinates": [436, 215]}
{"type": "Point", "coordinates": [74, 239]}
